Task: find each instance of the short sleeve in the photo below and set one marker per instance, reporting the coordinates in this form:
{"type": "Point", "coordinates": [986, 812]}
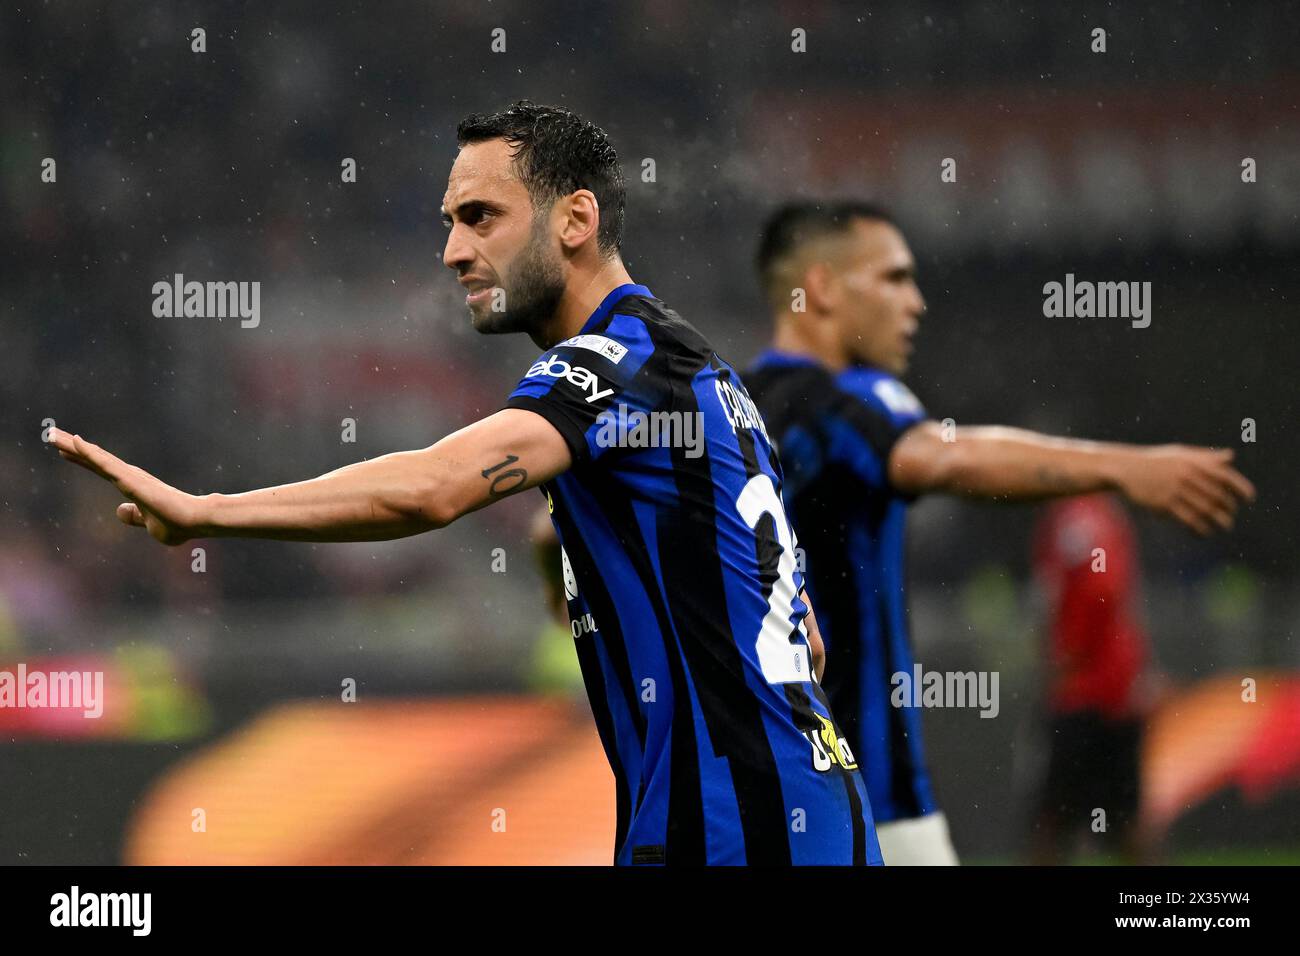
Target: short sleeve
{"type": "Point", "coordinates": [589, 379]}
{"type": "Point", "coordinates": [875, 411]}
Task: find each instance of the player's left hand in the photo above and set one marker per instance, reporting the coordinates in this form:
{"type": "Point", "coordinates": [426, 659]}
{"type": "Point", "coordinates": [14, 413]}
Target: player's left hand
{"type": "Point", "coordinates": [1197, 486]}
{"type": "Point", "coordinates": [168, 514]}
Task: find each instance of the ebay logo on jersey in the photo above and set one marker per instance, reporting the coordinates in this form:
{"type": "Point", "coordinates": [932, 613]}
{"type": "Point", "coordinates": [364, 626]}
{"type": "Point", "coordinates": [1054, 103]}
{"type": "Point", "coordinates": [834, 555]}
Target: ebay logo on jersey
{"type": "Point", "coordinates": [584, 379]}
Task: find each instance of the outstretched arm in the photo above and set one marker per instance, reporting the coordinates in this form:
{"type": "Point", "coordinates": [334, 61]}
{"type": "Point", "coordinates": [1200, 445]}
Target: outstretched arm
{"type": "Point", "coordinates": [1197, 486]}
{"type": "Point", "coordinates": [393, 496]}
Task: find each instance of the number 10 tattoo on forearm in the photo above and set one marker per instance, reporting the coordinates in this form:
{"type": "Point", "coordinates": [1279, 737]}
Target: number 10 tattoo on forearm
{"type": "Point", "coordinates": [506, 481]}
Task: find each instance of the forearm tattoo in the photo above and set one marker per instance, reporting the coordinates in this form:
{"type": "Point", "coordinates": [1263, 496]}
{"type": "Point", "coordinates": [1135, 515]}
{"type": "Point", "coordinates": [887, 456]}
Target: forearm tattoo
{"type": "Point", "coordinates": [1054, 481]}
{"type": "Point", "coordinates": [506, 481]}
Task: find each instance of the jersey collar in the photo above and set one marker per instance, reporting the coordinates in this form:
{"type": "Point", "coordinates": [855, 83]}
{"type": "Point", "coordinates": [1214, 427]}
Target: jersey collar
{"type": "Point", "coordinates": [615, 296]}
{"type": "Point", "coordinates": [779, 359]}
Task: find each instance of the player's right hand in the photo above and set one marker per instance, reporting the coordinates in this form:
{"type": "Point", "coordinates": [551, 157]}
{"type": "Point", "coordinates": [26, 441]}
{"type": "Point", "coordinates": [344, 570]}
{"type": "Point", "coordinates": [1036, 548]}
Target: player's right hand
{"type": "Point", "coordinates": [1196, 486]}
{"type": "Point", "coordinates": [168, 514]}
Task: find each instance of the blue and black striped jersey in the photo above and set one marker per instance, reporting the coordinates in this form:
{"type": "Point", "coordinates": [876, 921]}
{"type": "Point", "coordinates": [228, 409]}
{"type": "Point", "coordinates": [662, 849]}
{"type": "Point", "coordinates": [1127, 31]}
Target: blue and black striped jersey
{"type": "Point", "coordinates": [834, 433]}
{"type": "Point", "coordinates": [684, 599]}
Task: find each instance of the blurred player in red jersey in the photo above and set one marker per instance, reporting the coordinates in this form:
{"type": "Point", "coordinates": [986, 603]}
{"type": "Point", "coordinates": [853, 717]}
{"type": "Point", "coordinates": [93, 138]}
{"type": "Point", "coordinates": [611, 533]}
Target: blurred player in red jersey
{"type": "Point", "coordinates": [1101, 682]}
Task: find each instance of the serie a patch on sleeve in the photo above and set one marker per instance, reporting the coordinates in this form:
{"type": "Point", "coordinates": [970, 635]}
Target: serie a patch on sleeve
{"type": "Point", "coordinates": [600, 344]}
{"type": "Point", "coordinates": [898, 398]}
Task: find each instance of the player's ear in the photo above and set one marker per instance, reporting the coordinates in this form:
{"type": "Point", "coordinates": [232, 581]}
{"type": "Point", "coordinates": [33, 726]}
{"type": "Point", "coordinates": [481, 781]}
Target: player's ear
{"type": "Point", "coordinates": [581, 219]}
{"type": "Point", "coordinates": [823, 286]}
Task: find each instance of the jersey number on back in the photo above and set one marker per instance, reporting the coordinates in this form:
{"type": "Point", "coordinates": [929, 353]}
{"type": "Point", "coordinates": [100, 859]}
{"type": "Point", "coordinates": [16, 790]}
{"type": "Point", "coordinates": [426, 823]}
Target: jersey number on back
{"type": "Point", "coordinates": [780, 661]}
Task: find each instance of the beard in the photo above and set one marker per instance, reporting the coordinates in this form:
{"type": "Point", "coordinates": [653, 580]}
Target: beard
{"type": "Point", "coordinates": [532, 290]}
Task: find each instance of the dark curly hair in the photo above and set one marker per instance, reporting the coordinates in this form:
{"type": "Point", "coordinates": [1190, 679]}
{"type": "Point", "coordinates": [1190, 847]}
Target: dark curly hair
{"type": "Point", "coordinates": [556, 152]}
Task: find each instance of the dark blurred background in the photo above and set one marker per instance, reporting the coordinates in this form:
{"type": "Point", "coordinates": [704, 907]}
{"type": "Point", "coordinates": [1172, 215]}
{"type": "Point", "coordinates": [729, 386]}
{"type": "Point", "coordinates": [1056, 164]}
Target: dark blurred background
{"type": "Point", "coordinates": [225, 165]}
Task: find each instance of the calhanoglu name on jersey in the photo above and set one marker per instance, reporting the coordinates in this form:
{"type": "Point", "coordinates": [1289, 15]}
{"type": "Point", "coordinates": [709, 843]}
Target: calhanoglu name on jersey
{"type": "Point", "coordinates": [739, 408]}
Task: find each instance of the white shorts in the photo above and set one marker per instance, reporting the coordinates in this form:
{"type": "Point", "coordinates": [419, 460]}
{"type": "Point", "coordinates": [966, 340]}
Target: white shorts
{"type": "Point", "coordinates": [917, 841]}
